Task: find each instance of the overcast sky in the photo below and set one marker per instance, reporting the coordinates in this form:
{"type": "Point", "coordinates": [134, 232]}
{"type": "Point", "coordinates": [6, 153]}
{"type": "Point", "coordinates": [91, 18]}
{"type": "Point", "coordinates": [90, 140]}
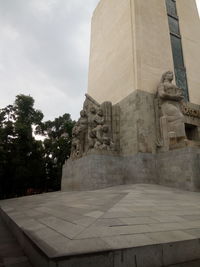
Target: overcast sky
{"type": "Point", "coordinates": [44, 52]}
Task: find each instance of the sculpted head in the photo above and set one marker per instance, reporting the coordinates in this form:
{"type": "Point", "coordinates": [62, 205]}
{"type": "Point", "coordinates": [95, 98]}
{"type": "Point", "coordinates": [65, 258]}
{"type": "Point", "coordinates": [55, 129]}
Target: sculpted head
{"type": "Point", "coordinates": [105, 128]}
{"type": "Point", "coordinates": [93, 110]}
{"type": "Point", "coordinates": [100, 112]}
{"type": "Point", "coordinates": [83, 113]}
{"type": "Point", "coordinates": [167, 76]}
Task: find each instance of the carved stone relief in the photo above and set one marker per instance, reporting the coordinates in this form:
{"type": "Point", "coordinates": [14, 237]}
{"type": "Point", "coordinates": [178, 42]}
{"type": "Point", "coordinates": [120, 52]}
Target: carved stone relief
{"type": "Point", "coordinates": [93, 130]}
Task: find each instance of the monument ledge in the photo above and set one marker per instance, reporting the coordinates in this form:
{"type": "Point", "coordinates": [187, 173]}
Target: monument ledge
{"type": "Point", "coordinates": [139, 225]}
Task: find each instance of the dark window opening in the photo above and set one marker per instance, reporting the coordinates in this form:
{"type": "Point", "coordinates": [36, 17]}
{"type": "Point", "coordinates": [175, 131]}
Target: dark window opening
{"type": "Point", "coordinates": [171, 8]}
{"type": "Point", "coordinates": [192, 132]}
{"type": "Point", "coordinates": [176, 44]}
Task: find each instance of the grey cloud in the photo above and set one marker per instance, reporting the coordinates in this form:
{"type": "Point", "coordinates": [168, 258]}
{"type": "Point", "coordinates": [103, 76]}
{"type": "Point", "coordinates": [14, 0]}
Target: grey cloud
{"type": "Point", "coordinates": [45, 50]}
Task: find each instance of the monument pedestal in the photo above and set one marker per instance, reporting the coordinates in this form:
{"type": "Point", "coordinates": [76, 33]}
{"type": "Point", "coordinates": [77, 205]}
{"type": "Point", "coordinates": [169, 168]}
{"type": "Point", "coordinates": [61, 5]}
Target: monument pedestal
{"type": "Point", "coordinates": [179, 168]}
{"type": "Point", "coordinates": [123, 226]}
{"type": "Point", "coordinates": [93, 171]}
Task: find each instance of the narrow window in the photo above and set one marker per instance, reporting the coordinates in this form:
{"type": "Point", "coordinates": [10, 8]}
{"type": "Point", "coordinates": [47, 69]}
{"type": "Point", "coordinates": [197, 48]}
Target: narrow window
{"type": "Point", "coordinates": [176, 44]}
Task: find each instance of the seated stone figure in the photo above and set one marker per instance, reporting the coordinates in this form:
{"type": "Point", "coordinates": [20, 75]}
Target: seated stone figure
{"type": "Point", "coordinates": [172, 119]}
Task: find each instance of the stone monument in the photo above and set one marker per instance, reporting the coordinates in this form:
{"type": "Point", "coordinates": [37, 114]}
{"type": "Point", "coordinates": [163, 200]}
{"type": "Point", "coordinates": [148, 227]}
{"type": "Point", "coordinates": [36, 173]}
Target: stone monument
{"type": "Point", "coordinates": [137, 124]}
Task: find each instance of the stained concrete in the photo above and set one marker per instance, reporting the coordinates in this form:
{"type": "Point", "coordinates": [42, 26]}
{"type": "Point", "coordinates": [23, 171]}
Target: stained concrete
{"type": "Point", "coordinates": [11, 254]}
{"type": "Point", "coordinates": [178, 168]}
{"type": "Point", "coordinates": [130, 225]}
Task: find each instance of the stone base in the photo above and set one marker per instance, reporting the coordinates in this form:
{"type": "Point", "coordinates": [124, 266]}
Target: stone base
{"type": "Point", "coordinates": [92, 172]}
{"type": "Point", "coordinates": [123, 226]}
{"type": "Point", "coordinates": [178, 168]}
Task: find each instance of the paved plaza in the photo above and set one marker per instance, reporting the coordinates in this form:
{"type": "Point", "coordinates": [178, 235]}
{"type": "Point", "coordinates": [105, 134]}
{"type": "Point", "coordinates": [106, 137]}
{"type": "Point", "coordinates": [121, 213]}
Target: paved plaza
{"type": "Point", "coordinates": [154, 223]}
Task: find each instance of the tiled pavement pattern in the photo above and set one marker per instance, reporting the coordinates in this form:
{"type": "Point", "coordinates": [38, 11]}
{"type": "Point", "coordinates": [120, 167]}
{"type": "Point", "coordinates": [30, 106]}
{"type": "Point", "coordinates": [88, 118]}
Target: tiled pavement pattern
{"type": "Point", "coordinates": [71, 223]}
{"type": "Point", "coordinates": [11, 254]}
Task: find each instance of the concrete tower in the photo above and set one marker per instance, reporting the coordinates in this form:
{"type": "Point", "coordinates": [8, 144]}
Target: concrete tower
{"type": "Point", "coordinates": [134, 41]}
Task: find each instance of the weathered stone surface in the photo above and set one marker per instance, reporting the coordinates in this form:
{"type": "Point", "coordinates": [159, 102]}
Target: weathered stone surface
{"type": "Point", "coordinates": [177, 168]}
{"type": "Point", "coordinates": [93, 130]}
{"type": "Point", "coordinates": [172, 127]}
{"type": "Point", "coordinates": [137, 123]}
{"type": "Point", "coordinates": [92, 172]}
{"type": "Point", "coordinates": [118, 226]}
{"type": "Point", "coordinates": [11, 254]}
{"type": "Point", "coordinates": [130, 47]}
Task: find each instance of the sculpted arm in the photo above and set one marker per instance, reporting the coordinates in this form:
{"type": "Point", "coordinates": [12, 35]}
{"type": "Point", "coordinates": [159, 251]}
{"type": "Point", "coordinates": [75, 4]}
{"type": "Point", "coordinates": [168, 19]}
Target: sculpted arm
{"type": "Point", "coordinates": [162, 94]}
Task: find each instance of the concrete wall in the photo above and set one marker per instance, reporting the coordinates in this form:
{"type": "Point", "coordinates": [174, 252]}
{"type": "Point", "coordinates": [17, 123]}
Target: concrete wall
{"type": "Point", "coordinates": [179, 168]}
{"type": "Point", "coordinates": [190, 32]}
{"type": "Point", "coordinates": [131, 48]}
{"type": "Point", "coordinates": [137, 123]}
{"type": "Point", "coordinates": [111, 56]}
{"type": "Point", "coordinates": [153, 45]}
{"type": "Point", "coordinates": [92, 172]}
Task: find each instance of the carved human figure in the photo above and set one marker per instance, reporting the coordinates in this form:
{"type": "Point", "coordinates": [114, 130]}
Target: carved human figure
{"type": "Point", "coordinates": [83, 121]}
{"type": "Point", "coordinates": [91, 125]}
{"type": "Point", "coordinates": [98, 130]}
{"type": "Point", "coordinates": [102, 138]}
{"type": "Point", "coordinates": [76, 142]}
{"type": "Point", "coordinates": [107, 143]}
{"type": "Point", "coordinates": [79, 134]}
{"type": "Point", "coordinates": [99, 119]}
{"type": "Point", "coordinates": [170, 97]}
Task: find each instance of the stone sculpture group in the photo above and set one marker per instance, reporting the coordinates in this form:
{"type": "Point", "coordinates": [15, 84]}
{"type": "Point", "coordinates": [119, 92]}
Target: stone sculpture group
{"type": "Point", "coordinates": [91, 132]}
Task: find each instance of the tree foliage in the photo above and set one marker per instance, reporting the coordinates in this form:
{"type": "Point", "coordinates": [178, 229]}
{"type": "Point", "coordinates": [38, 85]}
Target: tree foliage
{"type": "Point", "coordinates": [26, 164]}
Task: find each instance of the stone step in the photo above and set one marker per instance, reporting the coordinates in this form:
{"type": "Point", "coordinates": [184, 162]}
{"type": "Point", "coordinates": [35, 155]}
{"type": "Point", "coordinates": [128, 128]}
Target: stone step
{"type": "Point", "coordinates": [11, 254]}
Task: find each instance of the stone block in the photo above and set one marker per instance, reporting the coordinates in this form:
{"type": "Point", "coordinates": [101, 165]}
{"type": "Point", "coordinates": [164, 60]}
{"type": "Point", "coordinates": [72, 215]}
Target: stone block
{"type": "Point", "coordinates": [98, 260]}
{"type": "Point", "coordinates": [178, 168]}
{"type": "Point", "coordinates": [181, 252]}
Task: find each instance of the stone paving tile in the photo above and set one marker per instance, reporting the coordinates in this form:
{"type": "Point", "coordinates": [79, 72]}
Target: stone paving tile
{"type": "Point", "coordinates": [49, 240]}
{"type": "Point", "coordinates": [65, 228]}
{"type": "Point", "coordinates": [191, 217]}
{"type": "Point", "coordinates": [108, 222]}
{"type": "Point", "coordinates": [166, 219]}
{"type": "Point", "coordinates": [191, 224]}
{"type": "Point", "coordinates": [195, 232]}
{"type": "Point", "coordinates": [130, 215]}
{"type": "Point", "coordinates": [80, 246]}
{"type": "Point", "coordinates": [166, 227]}
{"type": "Point", "coordinates": [138, 220]}
{"type": "Point", "coordinates": [94, 214]}
{"type": "Point", "coordinates": [169, 236]}
{"type": "Point", "coordinates": [100, 231]}
{"type": "Point", "coordinates": [128, 241]}
{"type": "Point", "coordinates": [85, 221]}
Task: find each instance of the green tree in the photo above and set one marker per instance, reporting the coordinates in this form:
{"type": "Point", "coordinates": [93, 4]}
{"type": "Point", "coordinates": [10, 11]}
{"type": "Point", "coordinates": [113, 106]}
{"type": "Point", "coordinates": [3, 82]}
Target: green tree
{"type": "Point", "coordinates": [27, 148]}
{"type": "Point", "coordinates": [21, 164]}
{"type": "Point", "coordinates": [26, 164]}
{"type": "Point", "coordinates": [57, 148]}
{"type": "Point", "coordinates": [7, 136]}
